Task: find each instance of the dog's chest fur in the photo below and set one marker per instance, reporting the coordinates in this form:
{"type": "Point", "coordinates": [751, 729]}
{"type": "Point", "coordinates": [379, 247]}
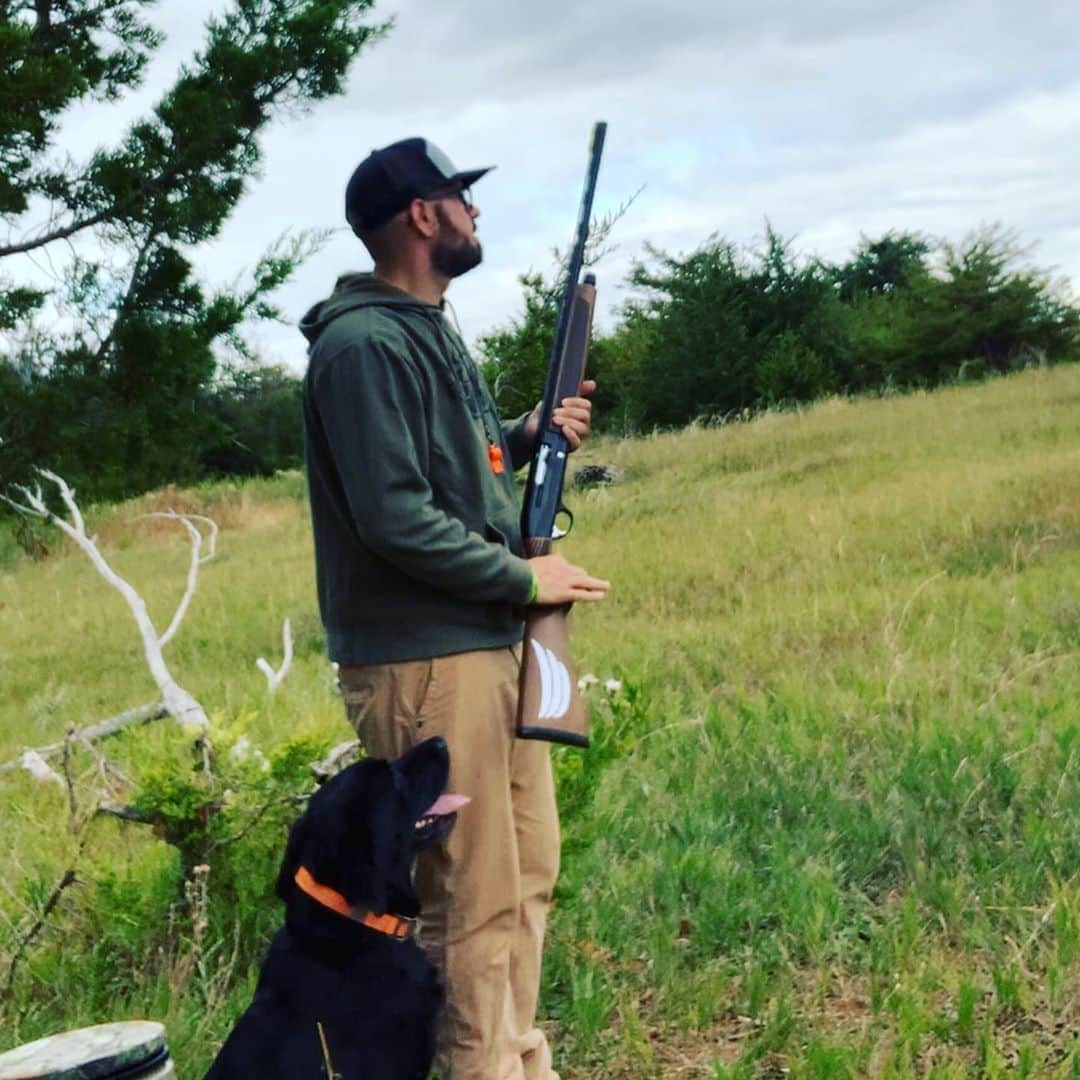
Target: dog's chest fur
{"type": "Point", "coordinates": [338, 998]}
{"type": "Point", "coordinates": [376, 1006]}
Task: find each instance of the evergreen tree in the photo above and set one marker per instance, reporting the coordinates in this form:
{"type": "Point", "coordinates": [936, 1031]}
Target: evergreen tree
{"type": "Point", "coordinates": [515, 358]}
{"type": "Point", "coordinates": [113, 360]}
{"type": "Point", "coordinates": [259, 410]}
{"type": "Point", "coordinates": [920, 317]}
{"type": "Point", "coordinates": [727, 333]}
{"type": "Point", "coordinates": [991, 313]}
{"type": "Point", "coordinates": [881, 266]}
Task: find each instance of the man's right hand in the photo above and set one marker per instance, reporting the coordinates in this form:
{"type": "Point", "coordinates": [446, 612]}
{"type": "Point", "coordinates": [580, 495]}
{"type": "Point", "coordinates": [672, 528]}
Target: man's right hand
{"type": "Point", "coordinates": [561, 582]}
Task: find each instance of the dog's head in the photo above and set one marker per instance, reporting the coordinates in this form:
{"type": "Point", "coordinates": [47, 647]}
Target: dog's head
{"type": "Point", "coordinates": [362, 829]}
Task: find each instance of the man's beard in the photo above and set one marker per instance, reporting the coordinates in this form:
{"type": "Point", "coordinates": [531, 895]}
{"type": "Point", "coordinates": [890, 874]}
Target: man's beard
{"type": "Point", "coordinates": [454, 254]}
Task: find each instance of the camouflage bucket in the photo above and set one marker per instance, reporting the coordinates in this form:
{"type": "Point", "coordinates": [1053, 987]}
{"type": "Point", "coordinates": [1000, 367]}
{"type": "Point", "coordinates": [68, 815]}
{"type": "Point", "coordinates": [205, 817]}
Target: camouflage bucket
{"type": "Point", "coordinates": [129, 1050]}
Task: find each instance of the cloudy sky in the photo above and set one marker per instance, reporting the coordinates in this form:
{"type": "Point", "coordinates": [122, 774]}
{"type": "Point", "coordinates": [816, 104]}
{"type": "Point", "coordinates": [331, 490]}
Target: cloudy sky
{"type": "Point", "coordinates": [830, 118]}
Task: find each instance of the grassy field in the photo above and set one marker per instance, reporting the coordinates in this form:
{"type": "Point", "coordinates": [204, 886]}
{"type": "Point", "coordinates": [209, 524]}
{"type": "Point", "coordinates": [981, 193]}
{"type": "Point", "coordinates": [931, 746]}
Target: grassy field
{"type": "Point", "coordinates": [830, 822]}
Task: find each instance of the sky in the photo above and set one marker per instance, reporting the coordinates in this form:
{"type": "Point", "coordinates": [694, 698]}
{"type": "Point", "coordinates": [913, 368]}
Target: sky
{"type": "Point", "coordinates": [829, 119]}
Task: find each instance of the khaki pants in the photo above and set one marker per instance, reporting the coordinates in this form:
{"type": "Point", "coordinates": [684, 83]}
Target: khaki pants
{"type": "Point", "coordinates": [485, 892]}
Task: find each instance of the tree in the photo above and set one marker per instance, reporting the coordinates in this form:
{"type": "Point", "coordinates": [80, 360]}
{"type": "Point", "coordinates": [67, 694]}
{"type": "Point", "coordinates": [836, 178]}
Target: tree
{"type": "Point", "coordinates": [880, 266]}
{"type": "Point", "coordinates": [726, 332]}
{"type": "Point", "coordinates": [693, 315]}
{"type": "Point", "coordinates": [976, 309]}
{"type": "Point", "coordinates": [259, 408]}
{"type": "Point", "coordinates": [993, 312]}
{"type": "Point", "coordinates": [114, 356]}
{"type": "Point", "coordinates": [515, 358]}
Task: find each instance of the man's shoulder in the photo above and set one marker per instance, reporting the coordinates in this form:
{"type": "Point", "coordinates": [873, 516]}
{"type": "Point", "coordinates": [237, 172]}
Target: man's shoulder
{"type": "Point", "coordinates": [365, 329]}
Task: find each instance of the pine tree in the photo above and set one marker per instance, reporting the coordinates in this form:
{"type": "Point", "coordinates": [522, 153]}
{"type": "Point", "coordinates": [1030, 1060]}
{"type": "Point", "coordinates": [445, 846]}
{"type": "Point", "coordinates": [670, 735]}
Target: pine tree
{"type": "Point", "coordinates": [111, 363]}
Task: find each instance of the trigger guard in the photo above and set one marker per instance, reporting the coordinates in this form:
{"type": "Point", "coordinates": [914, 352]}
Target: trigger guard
{"type": "Point", "coordinates": [556, 532]}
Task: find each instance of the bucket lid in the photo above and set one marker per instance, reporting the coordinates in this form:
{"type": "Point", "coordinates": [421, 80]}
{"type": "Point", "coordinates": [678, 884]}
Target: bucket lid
{"type": "Point", "coordinates": [91, 1053]}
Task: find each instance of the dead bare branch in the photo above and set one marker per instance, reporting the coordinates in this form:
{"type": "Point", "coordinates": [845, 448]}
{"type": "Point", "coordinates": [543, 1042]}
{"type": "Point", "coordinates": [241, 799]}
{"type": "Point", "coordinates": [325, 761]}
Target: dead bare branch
{"type": "Point", "coordinates": [34, 763]}
{"type": "Point", "coordinates": [68, 879]}
{"type": "Point", "coordinates": [274, 678]}
{"type": "Point", "coordinates": [126, 813]}
{"type": "Point", "coordinates": [197, 559]}
{"type": "Point", "coordinates": [257, 816]}
{"type": "Point", "coordinates": [142, 714]}
{"type": "Point", "coordinates": [69, 782]}
{"type": "Point", "coordinates": [336, 760]}
{"type": "Point", "coordinates": [181, 705]}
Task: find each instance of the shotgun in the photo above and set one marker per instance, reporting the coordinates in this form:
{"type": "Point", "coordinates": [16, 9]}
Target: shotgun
{"type": "Point", "coordinates": [549, 705]}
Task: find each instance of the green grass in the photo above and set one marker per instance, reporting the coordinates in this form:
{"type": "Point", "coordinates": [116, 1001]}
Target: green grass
{"type": "Point", "coordinates": [829, 824]}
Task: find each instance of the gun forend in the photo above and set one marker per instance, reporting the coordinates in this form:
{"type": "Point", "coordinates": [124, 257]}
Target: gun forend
{"type": "Point", "coordinates": [579, 333]}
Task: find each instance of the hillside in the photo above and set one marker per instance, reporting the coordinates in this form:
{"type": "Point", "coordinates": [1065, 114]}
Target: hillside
{"type": "Point", "coordinates": [830, 823]}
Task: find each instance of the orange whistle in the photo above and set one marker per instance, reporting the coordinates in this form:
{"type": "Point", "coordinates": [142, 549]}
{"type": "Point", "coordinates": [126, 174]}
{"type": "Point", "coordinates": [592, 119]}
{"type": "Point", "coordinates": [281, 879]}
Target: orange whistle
{"type": "Point", "coordinates": [495, 456]}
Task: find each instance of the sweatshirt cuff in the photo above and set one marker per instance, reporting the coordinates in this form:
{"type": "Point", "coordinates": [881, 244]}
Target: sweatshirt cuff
{"type": "Point", "coordinates": [524, 578]}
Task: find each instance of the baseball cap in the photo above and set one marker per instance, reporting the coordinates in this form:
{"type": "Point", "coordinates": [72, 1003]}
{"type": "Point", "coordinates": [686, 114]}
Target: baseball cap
{"type": "Point", "coordinates": [387, 180]}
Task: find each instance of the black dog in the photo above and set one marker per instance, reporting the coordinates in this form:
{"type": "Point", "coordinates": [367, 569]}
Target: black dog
{"type": "Point", "coordinates": [345, 991]}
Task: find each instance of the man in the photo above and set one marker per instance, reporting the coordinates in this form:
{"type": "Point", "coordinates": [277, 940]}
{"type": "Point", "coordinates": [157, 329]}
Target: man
{"type": "Point", "coordinates": [422, 582]}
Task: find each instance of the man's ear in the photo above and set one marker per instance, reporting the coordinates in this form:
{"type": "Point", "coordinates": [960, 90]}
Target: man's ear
{"type": "Point", "coordinates": [422, 217]}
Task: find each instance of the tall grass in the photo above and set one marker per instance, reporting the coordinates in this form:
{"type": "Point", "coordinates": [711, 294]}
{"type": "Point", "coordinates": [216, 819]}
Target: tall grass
{"type": "Point", "coordinates": [828, 826]}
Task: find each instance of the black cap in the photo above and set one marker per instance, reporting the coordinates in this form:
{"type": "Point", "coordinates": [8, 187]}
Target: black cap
{"type": "Point", "coordinates": [387, 180]}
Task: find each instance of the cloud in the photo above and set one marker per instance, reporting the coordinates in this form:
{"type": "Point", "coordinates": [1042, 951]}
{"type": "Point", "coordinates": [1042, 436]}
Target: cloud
{"type": "Point", "coordinates": [831, 119]}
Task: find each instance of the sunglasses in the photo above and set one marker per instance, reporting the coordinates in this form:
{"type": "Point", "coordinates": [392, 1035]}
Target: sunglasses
{"type": "Point", "coordinates": [464, 194]}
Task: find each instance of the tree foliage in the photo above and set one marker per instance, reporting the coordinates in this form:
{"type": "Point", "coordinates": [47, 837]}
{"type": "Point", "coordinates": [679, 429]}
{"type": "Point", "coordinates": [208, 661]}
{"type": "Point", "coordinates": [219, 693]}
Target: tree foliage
{"type": "Point", "coordinates": [879, 266]}
{"type": "Point", "coordinates": [722, 332]}
{"type": "Point", "coordinates": [113, 360]}
{"type": "Point", "coordinates": [52, 55]}
{"type": "Point", "coordinates": [258, 409]}
{"type": "Point", "coordinates": [515, 358]}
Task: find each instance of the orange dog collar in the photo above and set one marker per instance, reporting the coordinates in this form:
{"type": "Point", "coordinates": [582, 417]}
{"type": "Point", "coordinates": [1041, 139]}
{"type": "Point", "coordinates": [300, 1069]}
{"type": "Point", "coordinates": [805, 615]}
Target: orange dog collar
{"type": "Point", "coordinates": [395, 926]}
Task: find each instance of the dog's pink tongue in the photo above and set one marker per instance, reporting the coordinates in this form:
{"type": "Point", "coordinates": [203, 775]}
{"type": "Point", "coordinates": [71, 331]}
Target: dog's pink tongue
{"type": "Point", "coordinates": [447, 804]}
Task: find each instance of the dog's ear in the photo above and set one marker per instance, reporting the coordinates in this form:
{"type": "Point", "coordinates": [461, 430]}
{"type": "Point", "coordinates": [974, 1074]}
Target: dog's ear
{"type": "Point", "coordinates": [293, 857]}
{"type": "Point", "coordinates": [352, 837]}
{"type": "Point", "coordinates": [314, 837]}
{"type": "Point", "coordinates": [374, 844]}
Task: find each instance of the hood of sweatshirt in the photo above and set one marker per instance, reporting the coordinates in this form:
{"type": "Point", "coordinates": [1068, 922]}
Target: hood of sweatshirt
{"type": "Point", "coordinates": [354, 291]}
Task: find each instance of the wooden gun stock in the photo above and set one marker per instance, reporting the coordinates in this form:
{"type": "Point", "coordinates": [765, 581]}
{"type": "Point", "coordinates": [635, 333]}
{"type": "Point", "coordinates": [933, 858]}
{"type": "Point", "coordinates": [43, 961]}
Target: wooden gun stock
{"type": "Point", "coordinates": [549, 703]}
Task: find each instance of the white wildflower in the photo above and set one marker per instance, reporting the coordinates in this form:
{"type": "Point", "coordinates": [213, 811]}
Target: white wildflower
{"type": "Point", "coordinates": [243, 751]}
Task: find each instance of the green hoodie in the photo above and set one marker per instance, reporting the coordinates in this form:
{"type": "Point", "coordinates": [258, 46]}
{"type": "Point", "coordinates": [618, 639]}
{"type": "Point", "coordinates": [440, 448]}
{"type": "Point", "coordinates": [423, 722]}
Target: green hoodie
{"type": "Point", "coordinates": [418, 548]}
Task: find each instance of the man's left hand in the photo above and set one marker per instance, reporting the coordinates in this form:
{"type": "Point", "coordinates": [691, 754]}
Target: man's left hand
{"type": "Point", "coordinates": [573, 416]}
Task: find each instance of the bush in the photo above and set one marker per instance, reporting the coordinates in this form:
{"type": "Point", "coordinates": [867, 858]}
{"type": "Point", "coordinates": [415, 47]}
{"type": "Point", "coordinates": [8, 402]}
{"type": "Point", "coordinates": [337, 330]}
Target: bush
{"type": "Point", "coordinates": [260, 412]}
